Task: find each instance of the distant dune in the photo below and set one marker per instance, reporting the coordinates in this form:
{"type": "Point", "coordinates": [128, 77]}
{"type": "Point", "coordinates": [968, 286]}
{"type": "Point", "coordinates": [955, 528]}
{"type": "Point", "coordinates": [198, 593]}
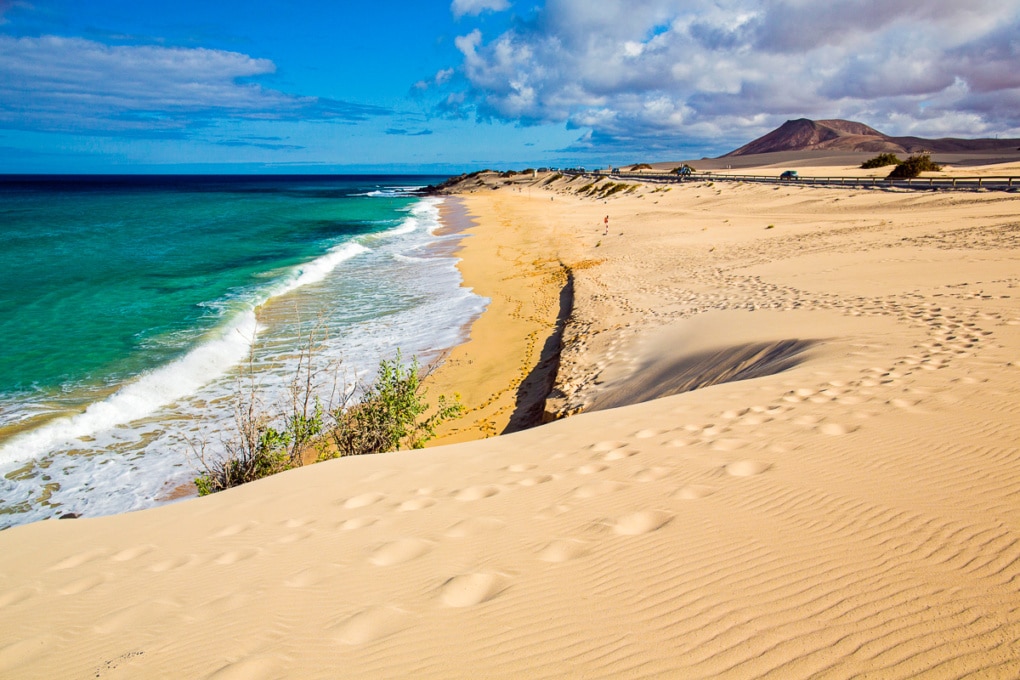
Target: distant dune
{"type": "Point", "coordinates": [846, 135]}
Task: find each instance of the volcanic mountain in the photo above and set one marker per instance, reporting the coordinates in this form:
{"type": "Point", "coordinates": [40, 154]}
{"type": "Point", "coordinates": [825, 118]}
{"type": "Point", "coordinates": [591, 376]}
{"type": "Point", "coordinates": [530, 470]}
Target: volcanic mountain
{"type": "Point", "coordinates": [846, 135]}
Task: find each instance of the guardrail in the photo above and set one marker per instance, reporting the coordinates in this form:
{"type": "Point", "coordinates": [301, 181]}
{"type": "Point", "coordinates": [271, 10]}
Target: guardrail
{"type": "Point", "coordinates": [991, 183]}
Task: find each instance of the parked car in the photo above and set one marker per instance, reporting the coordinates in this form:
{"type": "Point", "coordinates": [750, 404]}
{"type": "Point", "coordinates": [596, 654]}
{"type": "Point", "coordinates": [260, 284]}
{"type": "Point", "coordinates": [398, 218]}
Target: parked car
{"type": "Point", "coordinates": [789, 174]}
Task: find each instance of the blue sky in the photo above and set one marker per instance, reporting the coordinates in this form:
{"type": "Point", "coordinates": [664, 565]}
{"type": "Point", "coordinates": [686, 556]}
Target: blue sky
{"type": "Point", "coordinates": [441, 86]}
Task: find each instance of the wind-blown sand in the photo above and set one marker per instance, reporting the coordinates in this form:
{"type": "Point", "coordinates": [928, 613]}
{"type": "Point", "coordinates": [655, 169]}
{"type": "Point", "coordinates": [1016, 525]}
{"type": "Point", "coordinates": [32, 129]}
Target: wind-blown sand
{"type": "Point", "coordinates": [840, 497]}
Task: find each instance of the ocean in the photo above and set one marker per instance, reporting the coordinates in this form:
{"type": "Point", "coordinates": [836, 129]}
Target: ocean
{"type": "Point", "coordinates": [133, 309]}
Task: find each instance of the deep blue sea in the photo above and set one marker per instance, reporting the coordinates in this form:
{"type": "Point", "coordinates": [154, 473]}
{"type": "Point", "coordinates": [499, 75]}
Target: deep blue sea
{"type": "Point", "coordinates": [130, 307]}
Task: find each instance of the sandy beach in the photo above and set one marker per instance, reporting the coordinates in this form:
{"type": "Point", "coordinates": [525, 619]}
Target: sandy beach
{"type": "Point", "coordinates": [785, 444]}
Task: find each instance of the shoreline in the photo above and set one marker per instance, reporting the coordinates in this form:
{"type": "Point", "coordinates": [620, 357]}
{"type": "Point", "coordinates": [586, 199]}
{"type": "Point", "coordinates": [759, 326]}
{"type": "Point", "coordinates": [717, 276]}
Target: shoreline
{"type": "Point", "coordinates": [837, 496]}
{"type": "Point", "coordinates": [501, 370]}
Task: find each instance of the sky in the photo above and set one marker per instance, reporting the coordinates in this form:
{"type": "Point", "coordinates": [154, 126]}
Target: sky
{"type": "Point", "coordinates": [434, 86]}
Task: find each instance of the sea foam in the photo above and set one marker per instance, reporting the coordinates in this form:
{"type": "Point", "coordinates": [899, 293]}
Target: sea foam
{"type": "Point", "coordinates": [151, 391]}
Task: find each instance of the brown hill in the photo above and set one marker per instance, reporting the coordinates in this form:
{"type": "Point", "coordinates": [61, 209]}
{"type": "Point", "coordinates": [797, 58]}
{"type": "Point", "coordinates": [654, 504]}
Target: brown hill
{"type": "Point", "coordinates": [846, 135]}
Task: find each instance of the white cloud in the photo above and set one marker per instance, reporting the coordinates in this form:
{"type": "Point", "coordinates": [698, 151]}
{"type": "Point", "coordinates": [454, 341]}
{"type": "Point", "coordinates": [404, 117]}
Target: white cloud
{"type": "Point", "coordinates": [476, 7]}
{"type": "Point", "coordinates": [660, 71]}
{"type": "Point", "coordinates": [56, 83]}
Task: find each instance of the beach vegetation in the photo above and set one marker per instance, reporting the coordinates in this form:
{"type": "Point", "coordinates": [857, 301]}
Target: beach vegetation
{"type": "Point", "coordinates": [389, 414]}
{"type": "Point", "coordinates": [880, 161]}
{"type": "Point", "coordinates": [640, 166]}
{"type": "Point", "coordinates": [610, 188]}
{"type": "Point", "coordinates": [386, 414]}
{"type": "Point", "coordinates": [914, 166]}
{"type": "Point", "coordinates": [265, 443]}
{"type": "Point", "coordinates": [553, 178]}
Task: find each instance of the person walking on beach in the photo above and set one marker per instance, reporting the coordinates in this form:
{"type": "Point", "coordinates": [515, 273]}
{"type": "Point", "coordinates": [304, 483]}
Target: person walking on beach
{"type": "Point", "coordinates": [606, 233]}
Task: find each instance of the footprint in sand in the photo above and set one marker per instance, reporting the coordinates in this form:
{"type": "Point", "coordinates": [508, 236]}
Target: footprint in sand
{"type": "Point", "coordinates": [836, 429]}
{"type": "Point", "coordinates": [552, 511]}
{"type": "Point", "coordinates": [468, 590]}
{"type": "Point", "coordinates": [475, 493]}
{"type": "Point", "coordinates": [520, 467]}
{"type": "Point", "coordinates": [728, 444]}
{"type": "Point", "coordinates": [419, 503]}
{"type": "Point", "coordinates": [591, 469]}
{"type": "Point", "coordinates": [364, 500]}
{"type": "Point", "coordinates": [310, 576]}
{"type": "Point", "coordinates": [235, 556]}
{"type": "Point", "coordinates": [619, 454]}
{"type": "Point", "coordinates": [693, 492]}
{"type": "Point", "coordinates": [357, 523]}
{"type": "Point", "coordinates": [12, 597]}
{"type": "Point", "coordinates": [563, 551]}
{"type": "Point", "coordinates": [609, 446]}
{"type": "Point", "coordinates": [747, 468]}
{"type": "Point", "coordinates": [641, 522]}
{"type": "Point", "coordinates": [651, 474]}
{"type": "Point", "coordinates": [234, 529]}
{"type": "Point", "coordinates": [132, 553]}
{"type": "Point", "coordinates": [370, 625]}
{"type": "Point", "coordinates": [648, 434]}
{"type": "Point", "coordinates": [399, 551]}
{"type": "Point", "coordinates": [535, 480]}
{"type": "Point", "coordinates": [176, 563]}
{"type": "Point", "coordinates": [81, 585]}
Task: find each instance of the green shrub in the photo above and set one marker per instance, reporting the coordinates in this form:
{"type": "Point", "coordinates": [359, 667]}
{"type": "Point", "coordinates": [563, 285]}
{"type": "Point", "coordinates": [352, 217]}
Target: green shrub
{"type": "Point", "coordinates": [391, 413]}
{"type": "Point", "coordinates": [259, 449]}
{"type": "Point", "coordinates": [388, 415]}
{"type": "Point", "coordinates": [914, 166]}
{"type": "Point", "coordinates": [880, 161]}
{"type": "Point", "coordinates": [611, 188]}
{"type": "Point", "coordinates": [640, 166]}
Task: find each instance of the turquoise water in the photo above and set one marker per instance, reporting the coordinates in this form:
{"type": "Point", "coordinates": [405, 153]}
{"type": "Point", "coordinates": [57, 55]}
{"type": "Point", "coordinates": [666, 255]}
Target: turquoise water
{"type": "Point", "coordinates": [127, 304]}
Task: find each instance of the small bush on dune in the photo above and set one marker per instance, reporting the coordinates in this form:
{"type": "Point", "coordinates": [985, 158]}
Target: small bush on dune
{"type": "Point", "coordinates": [914, 166]}
{"type": "Point", "coordinates": [389, 413]}
{"type": "Point", "coordinates": [881, 161]}
{"type": "Point", "coordinates": [640, 166]}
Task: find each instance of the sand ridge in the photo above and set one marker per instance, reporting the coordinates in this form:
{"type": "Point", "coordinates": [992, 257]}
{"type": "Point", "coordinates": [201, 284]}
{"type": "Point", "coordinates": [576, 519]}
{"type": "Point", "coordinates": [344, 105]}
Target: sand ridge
{"type": "Point", "coordinates": [849, 510]}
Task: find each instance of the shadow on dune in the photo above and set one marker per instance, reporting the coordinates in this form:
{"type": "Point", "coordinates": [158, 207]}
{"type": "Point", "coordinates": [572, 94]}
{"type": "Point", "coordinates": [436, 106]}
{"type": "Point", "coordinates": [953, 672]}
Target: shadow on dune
{"type": "Point", "coordinates": [535, 388]}
{"type": "Point", "coordinates": [667, 376]}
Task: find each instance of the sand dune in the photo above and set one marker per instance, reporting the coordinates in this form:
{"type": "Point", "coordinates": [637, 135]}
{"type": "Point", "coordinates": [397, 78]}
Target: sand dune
{"type": "Point", "coordinates": [817, 474]}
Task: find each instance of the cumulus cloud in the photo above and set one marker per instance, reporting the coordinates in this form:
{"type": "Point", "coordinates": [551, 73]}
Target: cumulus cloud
{"type": "Point", "coordinates": [72, 84]}
{"type": "Point", "coordinates": [663, 72]}
{"type": "Point", "coordinates": [476, 7]}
